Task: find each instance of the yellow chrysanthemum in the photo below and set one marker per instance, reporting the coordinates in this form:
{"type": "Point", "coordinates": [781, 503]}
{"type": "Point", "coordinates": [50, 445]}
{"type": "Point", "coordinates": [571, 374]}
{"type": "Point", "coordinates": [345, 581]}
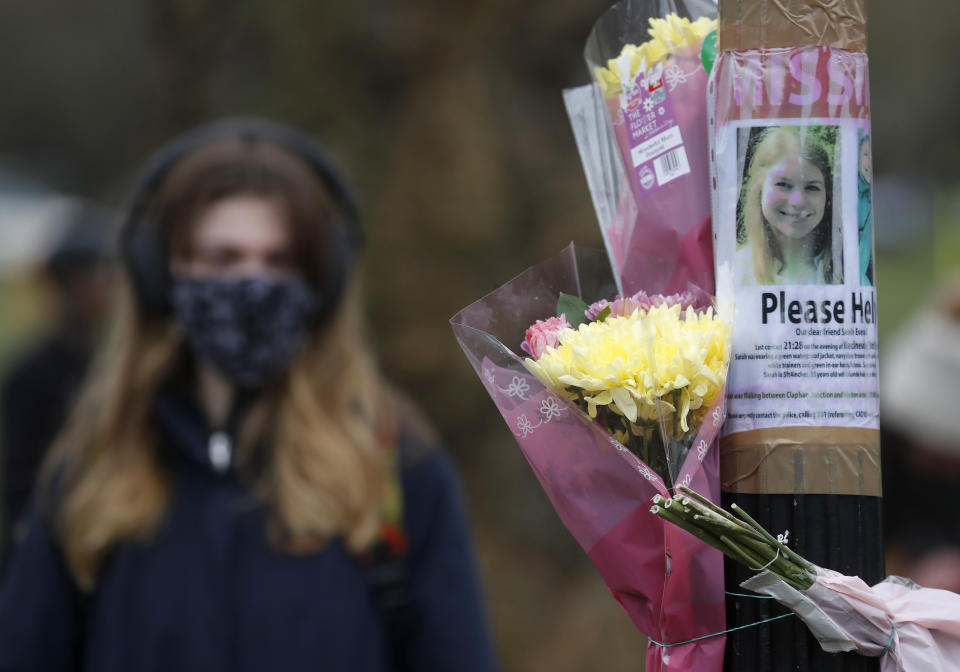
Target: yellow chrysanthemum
{"type": "Point", "coordinates": [644, 366]}
{"type": "Point", "coordinates": [667, 35]}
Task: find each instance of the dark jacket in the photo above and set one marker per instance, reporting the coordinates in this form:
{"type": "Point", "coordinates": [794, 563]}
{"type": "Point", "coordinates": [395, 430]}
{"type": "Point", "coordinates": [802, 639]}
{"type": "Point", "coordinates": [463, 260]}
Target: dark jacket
{"type": "Point", "coordinates": [209, 592]}
{"type": "Point", "coordinates": [35, 399]}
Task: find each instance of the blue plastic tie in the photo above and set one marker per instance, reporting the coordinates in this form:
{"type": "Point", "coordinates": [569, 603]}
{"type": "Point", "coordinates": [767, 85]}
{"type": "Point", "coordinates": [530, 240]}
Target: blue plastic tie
{"type": "Point", "coordinates": [755, 597]}
{"type": "Point", "coordinates": [889, 643]}
{"type": "Point", "coordinates": [717, 634]}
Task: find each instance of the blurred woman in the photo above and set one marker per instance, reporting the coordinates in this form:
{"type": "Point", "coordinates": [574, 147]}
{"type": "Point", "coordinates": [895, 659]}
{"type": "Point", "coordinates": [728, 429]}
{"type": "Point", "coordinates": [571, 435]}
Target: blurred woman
{"type": "Point", "coordinates": [239, 489]}
{"type": "Point", "coordinates": [786, 211]}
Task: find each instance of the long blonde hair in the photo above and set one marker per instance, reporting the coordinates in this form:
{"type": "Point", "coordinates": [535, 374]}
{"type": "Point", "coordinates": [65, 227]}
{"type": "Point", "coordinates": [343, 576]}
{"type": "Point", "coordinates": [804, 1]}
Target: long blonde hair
{"type": "Point", "coordinates": [311, 447]}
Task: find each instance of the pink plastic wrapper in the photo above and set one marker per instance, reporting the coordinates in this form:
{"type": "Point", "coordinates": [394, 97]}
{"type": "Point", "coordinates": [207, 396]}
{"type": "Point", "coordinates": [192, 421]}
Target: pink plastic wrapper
{"type": "Point", "coordinates": [651, 193]}
{"type": "Point", "coordinates": [678, 211]}
{"type": "Point", "coordinates": [912, 629]}
{"type": "Point", "coordinates": [670, 583]}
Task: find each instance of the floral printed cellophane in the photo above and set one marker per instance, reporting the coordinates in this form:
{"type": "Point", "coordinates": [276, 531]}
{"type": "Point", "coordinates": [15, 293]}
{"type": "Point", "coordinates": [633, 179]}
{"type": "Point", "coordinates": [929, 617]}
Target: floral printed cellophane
{"type": "Point", "coordinates": [669, 582]}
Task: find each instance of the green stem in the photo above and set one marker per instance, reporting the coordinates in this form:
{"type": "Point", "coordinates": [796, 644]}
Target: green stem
{"type": "Point", "coordinates": [729, 523]}
{"type": "Point", "coordinates": [742, 554]}
{"type": "Point", "coordinates": [749, 523]}
{"type": "Point", "coordinates": [756, 563]}
{"type": "Point", "coordinates": [746, 540]}
{"type": "Point", "coordinates": [773, 540]}
{"type": "Point", "coordinates": [778, 563]}
{"type": "Point", "coordinates": [700, 533]}
{"type": "Point", "coordinates": [716, 509]}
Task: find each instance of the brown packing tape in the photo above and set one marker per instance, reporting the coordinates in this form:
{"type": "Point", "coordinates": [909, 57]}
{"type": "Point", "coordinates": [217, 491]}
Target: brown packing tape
{"type": "Point", "coordinates": [802, 460]}
{"type": "Point", "coordinates": [759, 24]}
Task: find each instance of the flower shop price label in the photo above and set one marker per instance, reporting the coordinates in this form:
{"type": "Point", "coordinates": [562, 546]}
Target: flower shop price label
{"type": "Point", "coordinates": [656, 146]}
{"type": "Point", "coordinates": [804, 356]}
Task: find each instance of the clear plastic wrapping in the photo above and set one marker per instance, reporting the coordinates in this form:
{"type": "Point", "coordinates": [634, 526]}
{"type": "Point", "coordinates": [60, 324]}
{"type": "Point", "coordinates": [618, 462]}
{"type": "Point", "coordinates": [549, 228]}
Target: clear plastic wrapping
{"type": "Point", "coordinates": [647, 107]}
{"type": "Point", "coordinates": [669, 582]}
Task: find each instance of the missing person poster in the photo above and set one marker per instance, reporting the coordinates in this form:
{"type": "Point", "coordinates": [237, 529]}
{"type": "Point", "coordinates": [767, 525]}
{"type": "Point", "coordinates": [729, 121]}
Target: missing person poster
{"type": "Point", "coordinates": [792, 176]}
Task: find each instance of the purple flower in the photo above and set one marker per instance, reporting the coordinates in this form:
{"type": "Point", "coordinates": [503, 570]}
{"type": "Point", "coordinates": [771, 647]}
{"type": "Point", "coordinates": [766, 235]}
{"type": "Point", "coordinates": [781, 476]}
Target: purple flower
{"type": "Point", "coordinates": [683, 299]}
{"type": "Point", "coordinates": [622, 307]}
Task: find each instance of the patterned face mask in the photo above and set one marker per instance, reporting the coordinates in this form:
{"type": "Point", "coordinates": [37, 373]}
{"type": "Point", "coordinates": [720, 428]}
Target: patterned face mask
{"type": "Point", "coordinates": [246, 327]}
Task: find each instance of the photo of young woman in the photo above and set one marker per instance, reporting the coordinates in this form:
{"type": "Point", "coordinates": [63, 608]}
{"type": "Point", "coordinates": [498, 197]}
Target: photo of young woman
{"type": "Point", "coordinates": [785, 219]}
{"type": "Point", "coordinates": [865, 208]}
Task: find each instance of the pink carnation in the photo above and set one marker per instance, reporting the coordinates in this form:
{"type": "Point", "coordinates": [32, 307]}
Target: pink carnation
{"type": "Point", "coordinates": [543, 334]}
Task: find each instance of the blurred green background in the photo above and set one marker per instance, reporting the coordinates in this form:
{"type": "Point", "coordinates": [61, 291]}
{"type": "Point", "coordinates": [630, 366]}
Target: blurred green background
{"type": "Point", "coordinates": [449, 118]}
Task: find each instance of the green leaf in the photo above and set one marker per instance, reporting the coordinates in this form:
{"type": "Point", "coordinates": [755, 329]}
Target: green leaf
{"type": "Point", "coordinates": [573, 308]}
{"type": "Point", "coordinates": [708, 52]}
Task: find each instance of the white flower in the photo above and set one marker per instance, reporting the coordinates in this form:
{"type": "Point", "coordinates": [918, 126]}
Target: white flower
{"type": "Point", "coordinates": [646, 473]}
{"type": "Point", "coordinates": [525, 426]}
{"type": "Point", "coordinates": [550, 409]}
{"type": "Point", "coordinates": [702, 450]}
{"type": "Point", "coordinates": [518, 387]}
{"type": "Point", "coordinates": [717, 416]}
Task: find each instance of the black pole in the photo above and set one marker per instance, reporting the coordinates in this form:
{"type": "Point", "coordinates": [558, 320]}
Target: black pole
{"type": "Point", "coordinates": [839, 532]}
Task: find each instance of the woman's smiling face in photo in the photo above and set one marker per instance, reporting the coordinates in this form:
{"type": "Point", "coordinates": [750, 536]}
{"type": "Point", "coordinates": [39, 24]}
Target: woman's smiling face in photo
{"type": "Point", "coordinates": [794, 197]}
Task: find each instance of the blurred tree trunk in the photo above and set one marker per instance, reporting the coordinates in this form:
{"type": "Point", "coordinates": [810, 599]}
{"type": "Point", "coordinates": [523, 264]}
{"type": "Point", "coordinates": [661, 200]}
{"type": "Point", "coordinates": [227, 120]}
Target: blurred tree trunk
{"type": "Point", "coordinates": [186, 36]}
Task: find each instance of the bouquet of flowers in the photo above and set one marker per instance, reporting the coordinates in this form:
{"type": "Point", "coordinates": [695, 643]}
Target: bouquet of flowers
{"type": "Point", "coordinates": [656, 91]}
{"type": "Point", "coordinates": [641, 130]}
{"type": "Point", "coordinates": [626, 399]}
{"type": "Point", "coordinates": [646, 368]}
{"type": "Point", "coordinates": [911, 628]}
{"type": "Point", "coordinates": [620, 396]}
